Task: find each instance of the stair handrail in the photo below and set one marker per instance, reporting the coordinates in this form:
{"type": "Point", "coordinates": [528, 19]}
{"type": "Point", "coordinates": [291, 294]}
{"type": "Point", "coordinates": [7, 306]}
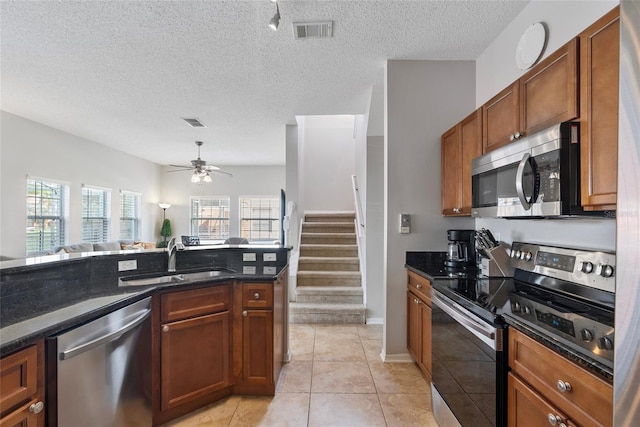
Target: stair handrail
{"type": "Point", "coordinates": [356, 196]}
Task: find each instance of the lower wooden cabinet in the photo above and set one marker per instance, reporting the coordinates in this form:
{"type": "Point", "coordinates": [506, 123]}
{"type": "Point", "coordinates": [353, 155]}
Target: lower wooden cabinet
{"type": "Point", "coordinates": [528, 409]}
{"type": "Point", "coordinates": [22, 388]}
{"type": "Point", "coordinates": [419, 322]}
{"type": "Point", "coordinates": [257, 347]}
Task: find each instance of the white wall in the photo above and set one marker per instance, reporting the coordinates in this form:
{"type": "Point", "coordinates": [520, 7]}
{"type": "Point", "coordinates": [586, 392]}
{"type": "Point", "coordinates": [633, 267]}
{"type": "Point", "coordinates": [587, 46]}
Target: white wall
{"type": "Point", "coordinates": [496, 69]}
{"type": "Point", "coordinates": [374, 220]}
{"type": "Point", "coordinates": [31, 148]}
{"type": "Point", "coordinates": [292, 183]}
{"type": "Point", "coordinates": [246, 181]}
{"type": "Point", "coordinates": [422, 100]}
{"type": "Point", "coordinates": [327, 163]}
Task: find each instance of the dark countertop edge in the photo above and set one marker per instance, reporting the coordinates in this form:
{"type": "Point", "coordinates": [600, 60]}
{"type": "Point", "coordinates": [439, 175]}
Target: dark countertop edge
{"type": "Point", "coordinates": [127, 298]}
{"type": "Point", "coordinates": [420, 272]}
{"type": "Point", "coordinates": [598, 369]}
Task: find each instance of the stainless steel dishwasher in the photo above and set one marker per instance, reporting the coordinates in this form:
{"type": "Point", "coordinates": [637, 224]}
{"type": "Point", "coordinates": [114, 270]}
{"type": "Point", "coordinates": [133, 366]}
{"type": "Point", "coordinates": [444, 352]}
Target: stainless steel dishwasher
{"type": "Point", "coordinates": [99, 373]}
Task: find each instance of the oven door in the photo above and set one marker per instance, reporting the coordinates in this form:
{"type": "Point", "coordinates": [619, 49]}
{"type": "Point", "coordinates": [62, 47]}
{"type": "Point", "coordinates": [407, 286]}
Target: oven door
{"type": "Point", "coordinates": [469, 366]}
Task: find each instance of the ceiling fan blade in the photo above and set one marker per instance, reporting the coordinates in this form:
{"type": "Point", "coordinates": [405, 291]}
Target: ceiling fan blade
{"type": "Point", "coordinates": [179, 170]}
{"type": "Point", "coordinates": [210, 168]}
{"type": "Point", "coordinates": [222, 172]}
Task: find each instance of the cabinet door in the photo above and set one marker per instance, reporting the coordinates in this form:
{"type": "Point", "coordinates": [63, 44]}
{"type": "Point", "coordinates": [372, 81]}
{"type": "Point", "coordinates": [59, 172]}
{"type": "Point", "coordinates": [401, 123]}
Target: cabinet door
{"type": "Point", "coordinates": [549, 92]}
{"type": "Point", "coordinates": [450, 164]}
{"type": "Point", "coordinates": [471, 147]}
{"type": "Point", "coordinates": [18, 378]}
{"type": "Point", "coordinates": [22, 417]}
{"type": "Point", "coordinates": [501, 118]}
{"type": "Point", "coordinates": [425, 338]}
{"type": "Point", "coordinates": [413, 326]}
{"type": "Point", "coordinates": [600, 60]}
{"type": "Point", "coordinates": [528, 409]}
{"type": "Point", "coordinates": [194, 358]}
{"type": "Point", "coordinates": [257, 347]}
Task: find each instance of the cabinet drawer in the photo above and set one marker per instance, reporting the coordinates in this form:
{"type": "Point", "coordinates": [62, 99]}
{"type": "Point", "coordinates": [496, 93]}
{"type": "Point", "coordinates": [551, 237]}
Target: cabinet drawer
{"type": "Point", "coordinates": [419, 286]}
{"type": "Point", "coordinates": [257, 295]}
{"type": "Point", "coordinates": [528, 409]}
{"type": "Point", "coordinates": [18, 378]}
{"type": "Point", "coordinates": [196, 302]}
{"type": "Point", "coordinates": [589, 401]}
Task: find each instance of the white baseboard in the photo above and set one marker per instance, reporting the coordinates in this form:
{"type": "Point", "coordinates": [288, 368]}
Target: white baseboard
{"type": "Point", "coordinates": [375, 321]}
{"type": "Point", "coordinates": [396, 358]}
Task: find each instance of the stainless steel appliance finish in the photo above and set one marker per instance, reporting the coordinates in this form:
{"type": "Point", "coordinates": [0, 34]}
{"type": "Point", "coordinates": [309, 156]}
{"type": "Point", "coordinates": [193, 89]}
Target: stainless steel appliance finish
{"type": "Point", "coordinates": [469, 379]}
{"type": "Point", "coordinates": [101, 371]}
{"type": "Point", "coordinates": [627, 359]}
{"type": "Point", "coordinates": [538, 176]}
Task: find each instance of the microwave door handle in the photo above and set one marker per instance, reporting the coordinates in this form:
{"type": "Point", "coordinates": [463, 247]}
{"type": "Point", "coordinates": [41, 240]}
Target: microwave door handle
{"type": "Point", "coordinates": [519, 186]}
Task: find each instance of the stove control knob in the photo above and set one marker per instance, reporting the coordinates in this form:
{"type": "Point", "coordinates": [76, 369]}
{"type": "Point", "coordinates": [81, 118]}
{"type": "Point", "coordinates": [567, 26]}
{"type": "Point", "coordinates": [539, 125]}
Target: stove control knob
{"type": "Point", "coordinates": [586, 267]}
{"type": "Point", "coordinates": [516, 307]}
{"type": "Point", "coordinates": [527, 310]}
{"type": "Point", "coordinates": [605, 343]}
{"type": "Point", "coordinates": [518, 253]}
{"type": "Point", "coordinates": [604, 270]}
{"type": "Point", "coordinates": [528, 256]}
{"type": "Point", "coordinates": [586, 335]}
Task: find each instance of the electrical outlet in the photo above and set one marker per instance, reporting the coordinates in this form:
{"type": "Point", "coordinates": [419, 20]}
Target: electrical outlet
{"type": "Point", "coordinates": [269, 270]}
{"type": "Point", "coordinates": [269, 257]}
{"type": "Point", "coordinates": [128, 265]}
{"type": "Point", "coordinates": [248, 269]}
{"type": "Point", "coordinates": [249, 256]}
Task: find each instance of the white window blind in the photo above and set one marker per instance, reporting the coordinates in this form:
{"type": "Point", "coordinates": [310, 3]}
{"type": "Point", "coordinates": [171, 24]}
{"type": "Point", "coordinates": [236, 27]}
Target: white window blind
{"type": "Point", "coordinates": [46, 215]}
{"type": "Point", "coordinates": [260, 218]}
{"type": "Point", "coordinates": [96, 204]}
{"type": "Point", "coordinates": [210, 217]}
{"type": "Point", "coordinates": [130, 215]}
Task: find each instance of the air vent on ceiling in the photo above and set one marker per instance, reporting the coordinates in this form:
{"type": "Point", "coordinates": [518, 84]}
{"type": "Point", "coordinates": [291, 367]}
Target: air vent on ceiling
{"type": "Point", "coordinates": [194, 123]}
{"type": "Point", "coordinates": [307, 30]}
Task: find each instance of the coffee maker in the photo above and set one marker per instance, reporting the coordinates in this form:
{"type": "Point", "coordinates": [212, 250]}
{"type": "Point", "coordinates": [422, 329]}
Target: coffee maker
{"type": "Point", "coordinates": [461, 254]}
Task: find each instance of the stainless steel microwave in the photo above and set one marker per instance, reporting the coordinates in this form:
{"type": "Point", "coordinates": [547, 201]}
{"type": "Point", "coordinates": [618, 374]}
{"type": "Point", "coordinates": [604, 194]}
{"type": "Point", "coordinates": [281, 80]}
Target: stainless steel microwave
{"type": "Point", "coordinates": [535, 177]}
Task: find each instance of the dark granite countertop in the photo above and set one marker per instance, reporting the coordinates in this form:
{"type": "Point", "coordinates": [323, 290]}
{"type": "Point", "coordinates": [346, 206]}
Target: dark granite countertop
{"type": "Point", "coordinates": [44, 301]}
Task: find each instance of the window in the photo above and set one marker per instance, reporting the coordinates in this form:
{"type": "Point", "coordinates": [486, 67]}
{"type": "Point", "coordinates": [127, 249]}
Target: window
{"type": "Point", "coordinates": [129, 215]}
{"type": "Point", "coordinates": [46, 215]}
{"type": "Point", "coordinates": [260, 218]}
{"type": "Point", "coordinates": [96, 206]}
{"type": "Point", "coordinates": [210, 217]}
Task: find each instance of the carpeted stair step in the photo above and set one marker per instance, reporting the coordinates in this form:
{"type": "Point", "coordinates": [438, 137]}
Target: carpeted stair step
{"type": "Point", "coordinates": [330, 217]}
{"type": "Point", "coordinates": [328, 278]}
{"type": "Point", "coordinates": [302, 312]}
{"type": "Point", "coordinates": [328, 227]}
{"type": "Point", "coordinates": [329, 294]}
{"type": "Point", "coordinates": [319, 250]}
{"type": "Point", "coordinates": [329, 263]}
{"type": "Point", "coordinates": [328, 238]}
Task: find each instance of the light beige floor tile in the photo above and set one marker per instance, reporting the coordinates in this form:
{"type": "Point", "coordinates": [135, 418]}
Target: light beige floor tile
{"type": "Point", "coordinates": [295, 377]}
{"type": "Point", "coordinates": [301, 349]}
{"type": "Point", "coordinates": [301, 331]}
{"type": "Point", "coordinates": [372, 350]}
{"type": "Point", "coordinates": [370, 332]}
{"type": "Point", "coordinates": [214, 415]}
{"type": "Point", "coordinates": [352, 410]}
{"type": "Point", "coordinates": [337, 332]}
{"type": "Point", "coordinates": [338, 350]}
{"type": "Point", "coordinates": [341, 377]}
{"type": "Point", "coordinates": [392, 378]}
{"type": "Point", "coordinates": [282, 410]}
{"type": "Point", "coordinates": [407, 410]}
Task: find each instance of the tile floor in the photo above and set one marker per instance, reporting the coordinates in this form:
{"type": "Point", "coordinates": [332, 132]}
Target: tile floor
{"type": "Point", "coordinates": [335, 378]}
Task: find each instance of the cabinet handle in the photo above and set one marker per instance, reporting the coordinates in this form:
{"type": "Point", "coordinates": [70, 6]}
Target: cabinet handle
{"type": "Point", "coordinates": [553, 419]}
{"type": "Point", "coordinates": [256, 295]}
{"type": "Point", "coordinates": [36, 408]}
{"type": "Point", "coordinates": [563, 386]}
{"type": "Point", "coordinates": [165, 328]}
{"type": "Point", "coordinates": [512, 137]}
{"type": "Point", "coordinates": [456, 210]}
{"type": "Point", "coordinates": [418, 286]}
{"type": "Point", "coordinates": [244, 313]}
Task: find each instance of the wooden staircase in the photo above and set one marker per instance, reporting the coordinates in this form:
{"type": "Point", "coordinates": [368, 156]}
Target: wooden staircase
{"type": "Point", "coordinates": [329, 286]}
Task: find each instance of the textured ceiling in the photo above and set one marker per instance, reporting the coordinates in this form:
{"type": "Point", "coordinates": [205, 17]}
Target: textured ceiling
{"type": "Point", "coordinates": [122, 73]}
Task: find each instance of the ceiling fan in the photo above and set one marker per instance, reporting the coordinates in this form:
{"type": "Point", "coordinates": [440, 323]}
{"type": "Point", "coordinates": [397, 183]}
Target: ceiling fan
{"type": "Point", "coordinates": [201, 171]}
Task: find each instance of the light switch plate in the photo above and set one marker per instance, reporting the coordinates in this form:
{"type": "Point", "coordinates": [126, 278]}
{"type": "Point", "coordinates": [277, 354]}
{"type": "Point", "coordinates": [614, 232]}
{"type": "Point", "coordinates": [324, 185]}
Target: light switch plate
{"type": "Point", "coordinates": [269, 257]}
{"type": "Point", "coordinates": [128, 265]}
{"type": "Point", "coordinates": [248, 269]}
{"type": "Point", "coordinates": [249, 256]}
{"type": "Point", "coordinates": [269, 270]}
{"type": "Point", "coordinates": [405, 223]}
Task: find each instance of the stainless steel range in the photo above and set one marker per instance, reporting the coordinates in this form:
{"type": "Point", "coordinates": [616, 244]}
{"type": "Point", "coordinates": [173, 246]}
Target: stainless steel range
{"type": "Point", "coordinates": [567, 296]}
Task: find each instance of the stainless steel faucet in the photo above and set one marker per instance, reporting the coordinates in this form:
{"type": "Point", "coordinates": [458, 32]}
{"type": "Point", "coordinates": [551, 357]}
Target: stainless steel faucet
{"type": "Point", "coordinates": [172, 248]}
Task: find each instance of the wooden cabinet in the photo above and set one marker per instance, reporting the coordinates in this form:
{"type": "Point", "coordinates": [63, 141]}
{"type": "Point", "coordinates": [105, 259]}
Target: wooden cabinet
{"type": "Point", "coordinates": [528, 409]}
{"type": "Point", "coordinates": [419, 321]}
{"type": "Point", "coordinates": [599, 75]}
{"type": "Point", "coordinates": [459, 146]}
{"type": "Point", "coordinates": [545, 95]}
{"type": "Point", "coordinates": [582, 397]}
{"type": "Point", "coordinates": [194, 349]}
{"type": "Point", "coordinates": [22, 388]}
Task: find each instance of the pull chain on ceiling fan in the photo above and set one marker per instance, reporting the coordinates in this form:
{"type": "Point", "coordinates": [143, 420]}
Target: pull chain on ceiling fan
{"type": "Point", "coordinates": [201, 171]}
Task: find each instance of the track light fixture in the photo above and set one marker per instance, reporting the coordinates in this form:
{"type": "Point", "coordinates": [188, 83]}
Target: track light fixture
{"type": "Point", "coordinates": [275, 21]}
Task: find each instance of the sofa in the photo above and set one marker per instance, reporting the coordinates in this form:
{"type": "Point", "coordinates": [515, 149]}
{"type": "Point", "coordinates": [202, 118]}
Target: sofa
{"type": "Point", "coordinates": [116, 245]}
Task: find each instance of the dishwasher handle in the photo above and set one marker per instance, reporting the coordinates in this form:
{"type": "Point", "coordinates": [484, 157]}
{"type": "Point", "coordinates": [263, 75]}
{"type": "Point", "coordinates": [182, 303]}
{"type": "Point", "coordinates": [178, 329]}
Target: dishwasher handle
{"type": "Point", "coordinates": [111, 336]}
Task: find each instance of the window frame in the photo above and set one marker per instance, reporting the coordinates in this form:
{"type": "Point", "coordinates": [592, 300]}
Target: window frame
{"type": "Point", "coordinates": [61, 218]}
{"type": "Point", "coordinates": [224, 222]}
{"type": "Point", "coordinates": [135, 220]}
{"type": "Point", "coordinates": [273, 223]}
{"type": "Point", "coordinates": [105, 219]}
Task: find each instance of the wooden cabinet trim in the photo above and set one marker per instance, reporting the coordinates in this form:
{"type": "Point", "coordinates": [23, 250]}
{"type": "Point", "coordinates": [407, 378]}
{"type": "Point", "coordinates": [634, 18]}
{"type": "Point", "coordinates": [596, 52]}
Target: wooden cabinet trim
{"type": "Point", "coordinates": [180, 305]}
{"type": "Point", "coordinates": [420, 286]}
{"type": "Point", "coordinates": [257, 295]}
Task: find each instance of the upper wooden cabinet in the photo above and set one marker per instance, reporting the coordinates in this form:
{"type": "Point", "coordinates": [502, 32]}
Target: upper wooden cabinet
{"type": "Point", "coordinates": [545, 95]}
{"type": "Point", "coordinates": [599, 75]}
{"type": "Point", "coordinates": [460, 145]}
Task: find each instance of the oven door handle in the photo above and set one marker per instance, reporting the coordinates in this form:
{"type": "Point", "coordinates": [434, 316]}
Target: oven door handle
{"type": "Point", "coordinates": [486, 333]}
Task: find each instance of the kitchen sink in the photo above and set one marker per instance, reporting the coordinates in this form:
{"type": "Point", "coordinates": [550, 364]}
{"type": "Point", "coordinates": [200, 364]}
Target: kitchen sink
{"type": "Point", "coordinates": [172, 278]}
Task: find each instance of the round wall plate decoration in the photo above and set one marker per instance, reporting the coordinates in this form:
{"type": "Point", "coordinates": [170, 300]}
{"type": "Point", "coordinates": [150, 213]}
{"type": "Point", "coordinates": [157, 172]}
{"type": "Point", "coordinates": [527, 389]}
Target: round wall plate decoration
{"type": "Point", "coordinates": [530, 46]}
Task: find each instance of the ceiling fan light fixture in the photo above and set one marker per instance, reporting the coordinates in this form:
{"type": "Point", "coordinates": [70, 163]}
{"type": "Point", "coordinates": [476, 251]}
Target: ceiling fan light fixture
{"type": "Point", "coordinates": [207, 178]}
{"type": "Point", "coordinates": [275, 21]}
{"type": "Point", "coordinates": [195, 178]}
